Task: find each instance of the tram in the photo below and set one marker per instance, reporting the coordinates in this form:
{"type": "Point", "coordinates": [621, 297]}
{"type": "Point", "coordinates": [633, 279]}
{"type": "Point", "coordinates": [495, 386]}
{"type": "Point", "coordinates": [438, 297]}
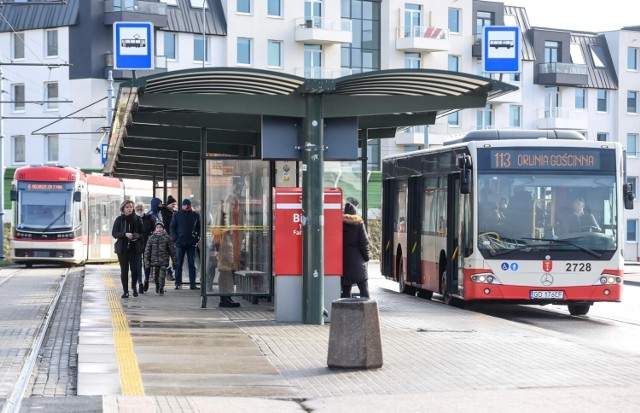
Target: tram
{"type": "Point", "coordinates": [63, 215]}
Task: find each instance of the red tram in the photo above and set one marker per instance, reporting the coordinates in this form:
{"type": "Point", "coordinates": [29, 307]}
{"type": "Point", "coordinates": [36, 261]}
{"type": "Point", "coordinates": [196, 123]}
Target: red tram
{"type": "Point", "coordinates": [63, 215]}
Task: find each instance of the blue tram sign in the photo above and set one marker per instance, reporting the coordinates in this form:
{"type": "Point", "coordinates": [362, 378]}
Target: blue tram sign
{"type": "Point", "coordinates": [501, 49]}
{"type": "Point", "coordinates": [133, 45]}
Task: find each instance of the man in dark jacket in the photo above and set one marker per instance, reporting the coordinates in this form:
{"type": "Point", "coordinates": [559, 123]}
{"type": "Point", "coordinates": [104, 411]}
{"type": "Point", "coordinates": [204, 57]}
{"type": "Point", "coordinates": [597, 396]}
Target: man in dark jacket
{"type": "Point", "coordinates": [355, 247]}
{"type": "Point", "coordinates": [185, 232]}
{"type": "Point", "coordinates": [166, 212]}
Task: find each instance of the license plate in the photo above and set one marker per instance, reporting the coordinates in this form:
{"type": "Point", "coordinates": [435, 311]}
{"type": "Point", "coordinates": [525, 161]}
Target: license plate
{"type": "Point", "coordinates": [543, 295]}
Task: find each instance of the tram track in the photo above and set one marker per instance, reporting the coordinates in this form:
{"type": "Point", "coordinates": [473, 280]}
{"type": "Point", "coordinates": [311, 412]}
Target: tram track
{"type": "Point", "coordinates": [16, 395]}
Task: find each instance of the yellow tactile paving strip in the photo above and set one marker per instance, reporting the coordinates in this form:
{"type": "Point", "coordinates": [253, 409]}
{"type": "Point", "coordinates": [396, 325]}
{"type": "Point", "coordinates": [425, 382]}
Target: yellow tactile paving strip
{"type": "Point", "coordinates": [130, 377]}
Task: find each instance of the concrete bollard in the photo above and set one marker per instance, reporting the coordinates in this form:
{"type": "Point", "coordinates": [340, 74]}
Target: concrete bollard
{"type": "Point", "coordinates": [354, 334]}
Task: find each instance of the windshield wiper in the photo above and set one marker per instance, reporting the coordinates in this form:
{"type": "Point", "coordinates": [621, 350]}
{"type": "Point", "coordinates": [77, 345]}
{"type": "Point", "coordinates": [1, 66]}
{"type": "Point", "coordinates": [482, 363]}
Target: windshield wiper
{"type": "Point", "coordinates": [565, 241]}
{"type": "Point", "coordinates": [56, 218]}
{"type": "Point", "coordinates": [518, 248]}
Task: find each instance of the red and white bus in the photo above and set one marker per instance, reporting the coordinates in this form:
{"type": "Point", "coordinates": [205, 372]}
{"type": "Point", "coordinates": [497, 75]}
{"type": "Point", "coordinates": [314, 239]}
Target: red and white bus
{"type": "Point", "coordinates": [63, 215]}
{"type": "Point", "coordinates": [442, 233]}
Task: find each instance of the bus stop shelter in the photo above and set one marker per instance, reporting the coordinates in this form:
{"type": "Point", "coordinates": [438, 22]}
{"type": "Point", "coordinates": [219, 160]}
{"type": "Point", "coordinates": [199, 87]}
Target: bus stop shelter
{"type": "Point", "coordinates": [169, 126]}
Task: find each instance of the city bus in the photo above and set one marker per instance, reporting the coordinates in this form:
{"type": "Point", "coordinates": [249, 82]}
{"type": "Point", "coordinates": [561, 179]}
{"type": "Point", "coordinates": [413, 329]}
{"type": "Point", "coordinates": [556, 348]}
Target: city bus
{"type": "Point", "coordinates": [442, 231]}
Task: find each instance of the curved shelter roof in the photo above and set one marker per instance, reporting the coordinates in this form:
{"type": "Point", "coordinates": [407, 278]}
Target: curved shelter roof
{"type": "Point", "coordinates": [159, 116]}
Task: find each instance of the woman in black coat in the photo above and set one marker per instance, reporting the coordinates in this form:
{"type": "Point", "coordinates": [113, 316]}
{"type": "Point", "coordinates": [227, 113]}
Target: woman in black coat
{"type": "Point", "coordinates": [355, 247]}
{"type": "Point", "coordinates": [128, 232]}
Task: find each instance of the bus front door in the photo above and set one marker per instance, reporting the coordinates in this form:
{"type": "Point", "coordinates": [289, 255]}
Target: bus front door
{"type": "Point", "coordinates": [455, 224]}
{"type": "Point", "coordinates": [414, 230]}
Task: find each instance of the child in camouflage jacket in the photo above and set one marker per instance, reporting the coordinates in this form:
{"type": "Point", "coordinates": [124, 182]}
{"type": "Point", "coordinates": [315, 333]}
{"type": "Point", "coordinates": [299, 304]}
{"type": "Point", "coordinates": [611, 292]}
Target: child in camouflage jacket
{"type": "Point", "coordinates": [159, 249]}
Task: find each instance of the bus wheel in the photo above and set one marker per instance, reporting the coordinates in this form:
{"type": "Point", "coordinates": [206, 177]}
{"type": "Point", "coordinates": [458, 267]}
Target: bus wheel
{"type": "Point", "coordinates": [579, 309]}
{"type": "Point", "coordinates": [425, 294]}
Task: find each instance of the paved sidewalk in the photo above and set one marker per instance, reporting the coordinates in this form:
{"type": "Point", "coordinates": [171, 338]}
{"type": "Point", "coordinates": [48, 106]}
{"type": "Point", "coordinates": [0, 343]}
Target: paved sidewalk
{"type": "Point", "coordinates": [436, 357]}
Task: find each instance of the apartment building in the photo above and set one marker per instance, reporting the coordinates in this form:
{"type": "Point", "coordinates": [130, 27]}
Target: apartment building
{"type": "Point", "coordinates": [56, 60]}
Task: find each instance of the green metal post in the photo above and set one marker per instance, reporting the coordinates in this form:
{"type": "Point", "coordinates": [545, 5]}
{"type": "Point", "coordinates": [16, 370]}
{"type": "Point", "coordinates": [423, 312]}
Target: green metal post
{"type": "Point", "coordinates": [312, 213]}
{"type": "Point", "coordinates": [203, 220]}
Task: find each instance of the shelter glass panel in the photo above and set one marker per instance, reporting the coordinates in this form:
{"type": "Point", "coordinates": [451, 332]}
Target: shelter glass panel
{"type": "Point", "coordinates": [238, 261]}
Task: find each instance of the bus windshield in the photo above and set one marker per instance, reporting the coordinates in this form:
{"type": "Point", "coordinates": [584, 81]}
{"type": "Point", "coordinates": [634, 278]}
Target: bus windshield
{"type": "Point", "coordinates": [529, 216]}
{"type": "Point", "coordinates": [44, 207]}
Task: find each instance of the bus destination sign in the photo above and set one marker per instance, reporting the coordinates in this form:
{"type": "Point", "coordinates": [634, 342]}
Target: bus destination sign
{"type": "Point", "coordinates": [528, 158]}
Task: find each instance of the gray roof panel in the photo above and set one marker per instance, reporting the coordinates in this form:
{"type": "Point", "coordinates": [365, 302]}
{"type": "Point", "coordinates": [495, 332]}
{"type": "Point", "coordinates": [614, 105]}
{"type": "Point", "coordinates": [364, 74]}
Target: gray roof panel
{"type": "Point", "coordinates": [185, 19]}
{"type": "Point", "coordinates": [598, 77]}
{"type": "Point", "coordinates": [526, 47]}
{"type": "Point", "coordinates": [27, 17]}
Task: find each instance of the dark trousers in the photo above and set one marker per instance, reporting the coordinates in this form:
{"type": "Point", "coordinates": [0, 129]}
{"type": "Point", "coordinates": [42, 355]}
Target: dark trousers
{"type": "Point", "coordinates": [363, 286]}
{"type": "Point", "coordinates": [191, 252]}
{"type": "Point", "coordinates": [128, 259]}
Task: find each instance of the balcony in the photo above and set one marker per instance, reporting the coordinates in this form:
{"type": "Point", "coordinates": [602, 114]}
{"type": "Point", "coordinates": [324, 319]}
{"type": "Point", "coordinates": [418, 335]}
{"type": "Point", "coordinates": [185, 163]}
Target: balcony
{"type": "Point", "coordinates": [412, 136]}
{"type": "Point", "coordinates": [476, 48]}
{"type": "Point", "coordinates": [561, 118]}
{"type": "Point", "coordinates": [135, 11]}
{"type": "Point", "coordinates": [325, 73]}
{"type": "Point", "coordinates": [160, 66]}
{"type": "Point", "coordinates": [562, 74]}
{"type": "Point", "coordinates": [320, 30]}
{"type": "Point", "coordinates": [422, 39]}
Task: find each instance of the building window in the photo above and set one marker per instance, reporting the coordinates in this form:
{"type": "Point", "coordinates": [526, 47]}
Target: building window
{"type": "Point", "coordinates": [454, 119]}
{"type": "Point", "coordinates": [453, 63]}
{"type": "Point", "coordinates": [312, 61]}
{"type": "Point", "coordinates": [575, 51]}
{"type": "Point", "coordinates": [602, 100]}
{"type": "Point", "coordinates": [632, 102]}
{"type": "Point", "coordinates": [52, 43]}
{"type": "Point", "coordinates": [18, 149]}
{"type": "Point", "coordinates": [199, 48]}
{"type": "Point", "coordinates": [551, 51]}
{"type": "Point", "coordinates": [412, 60]}
{"type": "Point", "coordinates": [363, 53]}
{"type": "Point", "coordinates": [632, 58]}
{"type": "Point", "coordinates": [581, 98]}
{"type": "Point", "coordinates": [483, 18]}
{"type": "Point", "coordinates": [244, 51]}
{"type": "Point", "coordinates": [412, 20]}
{"type": "Point", "coordinates": [52, 148]}
{"type": "Point", "coordinates": [551, 101]}
{"type": "Point", "coordinates": [632, 230]}
{"type": "Point", "coordinates": [484, 118]}
{"type": "Point", "coordinates": [244, 6]}
{"type": "Point", "coordinates": [632, 144]}
{"type": "Point", "coordinates": [633, 180]}
{"type": "Point", "coordinates": [454, 20]}
{"type": "Point", "coordinates": [170, 46]}
{"type": "Point", "coordinates": [515, 116]}
{"type": "Point", "coordinates": [51, 95]}
{"type": "Point", "coordinates": [274, 53]}
{"type": "Point", "coordinates": [17, 94]}
{"type": "Point", "coordinates": [601, 137]}
{"type": "Point", "coordinates": [18, 45]}
{"type": "Point", "coordinates": [598, 56]}
{"type": "Point", "coordinates": [274, 8]}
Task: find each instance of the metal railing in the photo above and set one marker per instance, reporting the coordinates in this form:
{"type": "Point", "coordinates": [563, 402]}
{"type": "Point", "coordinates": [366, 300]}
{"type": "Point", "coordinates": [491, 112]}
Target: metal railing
{"type": "Point", "coordinates": [135, 6]}
{"type": "Point", "coordinates": [563, 68]}
{"type": "Point", "coordinates": [561, 113]}
{"type": "Point", "coordinates": [314, 22]}
{"type": "Point", "coordinates": [326, 73]}
{"type": "Point", "coordinates": [428, 32]}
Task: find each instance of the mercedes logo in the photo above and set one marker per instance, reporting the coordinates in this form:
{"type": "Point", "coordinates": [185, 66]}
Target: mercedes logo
{"type": "Point", "coordinates": [547, 279]}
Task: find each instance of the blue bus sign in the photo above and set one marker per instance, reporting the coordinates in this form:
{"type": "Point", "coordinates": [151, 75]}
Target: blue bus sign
{"type": "Point", "coordinates": [501, 49]}
{"type": "Point", "coordinates": [133, 45]}
{"type": "Point", "coordinates": [103, 152]}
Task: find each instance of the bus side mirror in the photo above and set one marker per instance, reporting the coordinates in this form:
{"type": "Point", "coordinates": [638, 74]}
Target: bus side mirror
{"type": "Point", "coordinates": [464, 163]}
{"type": "Point", "coordinates": [14, 195]}
{"type": "Point", "coordinates": [627, 193]}
{"type": "Point", "coordinates": [77, 196]}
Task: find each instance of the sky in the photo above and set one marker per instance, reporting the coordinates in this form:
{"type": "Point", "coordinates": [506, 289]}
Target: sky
{"type": "Point", "coordinates": [581, 15]}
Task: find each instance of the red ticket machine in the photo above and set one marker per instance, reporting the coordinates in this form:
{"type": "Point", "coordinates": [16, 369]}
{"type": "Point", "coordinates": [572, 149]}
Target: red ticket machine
{"type": "Point", "coordinates": [287, 251]}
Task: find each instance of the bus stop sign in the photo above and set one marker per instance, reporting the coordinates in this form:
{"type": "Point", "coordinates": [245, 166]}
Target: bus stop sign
{"type": "Point", "coordinates": [133, 45]}
{"type": "Point", "coordinates": [501, 49]}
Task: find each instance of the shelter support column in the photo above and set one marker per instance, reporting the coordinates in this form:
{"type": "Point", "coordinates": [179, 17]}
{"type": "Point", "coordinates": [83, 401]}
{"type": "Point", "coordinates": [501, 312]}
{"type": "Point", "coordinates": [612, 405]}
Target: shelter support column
{"type": "Point", "coordinates": [203, 220]}
{"type": "Point", "coordinates": [312, 213]}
